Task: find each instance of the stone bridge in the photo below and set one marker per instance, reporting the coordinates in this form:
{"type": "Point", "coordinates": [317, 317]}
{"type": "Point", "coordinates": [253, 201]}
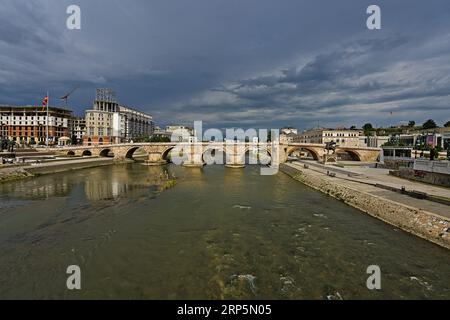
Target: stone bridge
{"type": "Point", "coordinates": [232, 154]}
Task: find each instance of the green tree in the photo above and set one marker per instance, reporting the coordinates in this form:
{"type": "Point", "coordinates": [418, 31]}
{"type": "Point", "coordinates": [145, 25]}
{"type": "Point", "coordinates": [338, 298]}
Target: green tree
{"type": "Point", "coordinates": [447, 124]}
{"type": "Point", "coordinates": [412, 124]}
{"type": "Point", "coordinates": [368, 127]}
{"type": "Point", "coordinates": [429, 124]}
{"type": "Point", "coordinates": [159, 138]}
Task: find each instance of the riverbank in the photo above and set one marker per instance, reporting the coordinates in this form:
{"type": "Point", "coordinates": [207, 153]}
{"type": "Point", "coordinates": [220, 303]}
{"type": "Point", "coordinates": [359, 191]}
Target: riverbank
{"type": "Point", "coordinates": [432, 226]}
{"type": "Point", "coordinates": [12, 173]}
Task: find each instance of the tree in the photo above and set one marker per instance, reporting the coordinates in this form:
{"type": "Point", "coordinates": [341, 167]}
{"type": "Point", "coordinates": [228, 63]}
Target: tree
{"type": "Point", "coordinates": [353, 128]}
{"type": "Point", "coordinates": [412, 124]}
{"type": "Point", "coordinates": [159, 138]}
{"type": "Point", "coordinates": [434, 154]}
{"type": "Point", "coordinates": [429, 124]}
{"type": "Point", "coordinates": [367, 127]}
{"type": "Point", "coordinates": [447, 124]}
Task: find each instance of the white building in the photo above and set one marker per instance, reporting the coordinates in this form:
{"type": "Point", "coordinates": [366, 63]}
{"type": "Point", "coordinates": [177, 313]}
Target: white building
{"type": "Point", "coordinates": [343, 137]}
{"type": "Point", "coordinates": [289, 130]}
{"type": "Point", "coordinates": [181, 133]}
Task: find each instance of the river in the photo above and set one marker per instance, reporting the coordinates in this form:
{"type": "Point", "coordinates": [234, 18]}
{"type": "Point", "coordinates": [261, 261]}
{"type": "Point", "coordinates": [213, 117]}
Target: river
{"type": "Point", "coordinates": [219, 233]}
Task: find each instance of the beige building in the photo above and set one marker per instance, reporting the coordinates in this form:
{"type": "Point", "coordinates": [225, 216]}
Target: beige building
{"type": "Point", "coordinates": [289, 138]}
{"type": "Point", "coordinates": [343, 137]}
{"type": "Point", "coordinates": [108, 122]}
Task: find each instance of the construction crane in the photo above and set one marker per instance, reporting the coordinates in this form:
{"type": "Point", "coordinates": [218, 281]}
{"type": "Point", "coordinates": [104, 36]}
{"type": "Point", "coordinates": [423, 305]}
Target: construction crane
{"type": "Point", "coordinates": [66, 96]}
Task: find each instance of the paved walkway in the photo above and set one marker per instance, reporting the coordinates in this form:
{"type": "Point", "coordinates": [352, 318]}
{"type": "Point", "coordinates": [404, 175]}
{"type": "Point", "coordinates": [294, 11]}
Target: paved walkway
{"type": "Point", "coordinates": [365, 179]}
{"type": "Point", "coordinates": [382, 176]}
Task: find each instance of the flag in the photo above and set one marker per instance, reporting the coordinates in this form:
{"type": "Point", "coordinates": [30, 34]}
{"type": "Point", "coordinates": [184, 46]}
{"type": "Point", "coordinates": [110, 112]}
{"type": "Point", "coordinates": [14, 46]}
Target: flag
{"type": "Point", "coordinates": [44, 103]}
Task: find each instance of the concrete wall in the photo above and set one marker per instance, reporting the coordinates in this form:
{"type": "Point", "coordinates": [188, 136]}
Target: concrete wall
{"type": "Point", "coordinates": [438, 179]}
{"type": "Point", "coordinates": [67, 166]}
{"type": "Point", "coordinates": [433, 166]}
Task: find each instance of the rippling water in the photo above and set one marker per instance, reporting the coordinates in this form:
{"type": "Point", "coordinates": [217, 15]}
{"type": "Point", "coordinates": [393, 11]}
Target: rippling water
{"type": "Point", "coordinates": [219, 233]}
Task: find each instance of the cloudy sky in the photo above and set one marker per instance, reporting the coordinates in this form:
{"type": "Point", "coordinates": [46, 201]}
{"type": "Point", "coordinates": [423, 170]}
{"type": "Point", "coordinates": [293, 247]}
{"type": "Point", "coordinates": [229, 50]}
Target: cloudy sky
{"type": "Point", "coordinates": [234, 63]}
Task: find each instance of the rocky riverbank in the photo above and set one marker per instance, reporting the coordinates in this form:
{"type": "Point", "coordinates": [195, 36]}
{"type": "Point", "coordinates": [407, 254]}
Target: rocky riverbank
{"type": "Point", "coordinates": [427, 225]}
{"type": "Point", "coordinates": [12, 174]}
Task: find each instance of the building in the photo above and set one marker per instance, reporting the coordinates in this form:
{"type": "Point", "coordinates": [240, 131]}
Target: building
{"type": "Point", "coordinates": [180, 128]}
{"type": "Point", "coordinates": [286, 138]}
{"type": "Point", "coordinates": [136, 123]}
{"type": "Point", "coordinates": [288, 130]}
{"type": "Point", "coordinates": [108, 122]}
{"type": "Point", "coordinates": [343, 137]}
{"type": "Point", "coordinates": [373, 141]}
{"type": "Point", "coordinates": [399, 153]}
{"type": "Point", "coordinates": [78, 127]}
{"type": "Point", "coordinates": [184, 133]}
{"type": "Point", "coordinates": [28, 124]}
{"type": "Point", "coordinates": [439, 137]}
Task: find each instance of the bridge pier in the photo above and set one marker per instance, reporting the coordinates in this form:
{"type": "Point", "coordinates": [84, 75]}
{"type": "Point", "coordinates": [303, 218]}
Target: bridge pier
{"type": "Point", "coordinates": [194, 156]}
{"type": "Point", "coordinates": [235, 166]}
{"type": "Point", "coordinates": [155, 159]}
{"type": "Point", "coordinates": [235, 157]}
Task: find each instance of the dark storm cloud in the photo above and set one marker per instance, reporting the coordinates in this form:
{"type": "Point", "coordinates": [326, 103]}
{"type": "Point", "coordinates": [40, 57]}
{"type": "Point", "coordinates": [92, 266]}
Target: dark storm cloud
{"type": "Point", "coordinates": [234, 63]}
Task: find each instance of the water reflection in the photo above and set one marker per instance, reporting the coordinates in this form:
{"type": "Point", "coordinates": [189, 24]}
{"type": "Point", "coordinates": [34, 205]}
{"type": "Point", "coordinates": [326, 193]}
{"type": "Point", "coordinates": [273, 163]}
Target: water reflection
{"type": "Point", "coordinates": [37, 188]}
{"type": "Point", "coordinates": [97, 184]}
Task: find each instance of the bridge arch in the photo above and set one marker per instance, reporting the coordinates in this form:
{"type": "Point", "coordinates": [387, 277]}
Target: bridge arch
{"type": "Point", "coordinates": [130, 152]}
{"type": "Point", "coordinates": [213, 152]}
{"type": "Point", "coordinates": [263, 155]}
{"type": "Point", "coordinates": [316, 156]}
{"type": "Point", "coordinates": [87, 153]}
{"type": "Point", "coordinates": [166, 154]}
{"type": "Point", "coordinates": [355, 156]}
{"type": "Point", "coordinates": [105, 153]}
{"type": "Point", "coordinates": [71, 153]}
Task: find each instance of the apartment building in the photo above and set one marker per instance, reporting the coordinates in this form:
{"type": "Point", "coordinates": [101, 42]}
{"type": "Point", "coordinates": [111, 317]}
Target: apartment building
{"type": "Point", "coordinates": [28, 124]}
{"type": "Point", "coordinates": [108, 122]}
{"type": "Point", "coordinates": [78, 127]}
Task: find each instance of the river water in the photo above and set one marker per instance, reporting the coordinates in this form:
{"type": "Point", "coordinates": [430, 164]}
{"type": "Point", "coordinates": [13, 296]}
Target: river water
{"type": "Point", "coordinates": [218, 233]}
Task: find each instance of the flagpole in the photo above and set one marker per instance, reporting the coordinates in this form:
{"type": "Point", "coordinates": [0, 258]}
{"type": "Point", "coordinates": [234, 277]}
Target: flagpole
{"type": "Point", "coordinates": [48, 119]}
